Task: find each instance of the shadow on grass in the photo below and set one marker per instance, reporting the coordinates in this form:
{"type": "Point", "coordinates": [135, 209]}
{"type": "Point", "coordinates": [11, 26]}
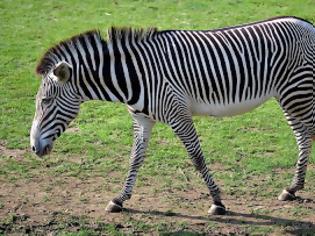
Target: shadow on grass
{"type": "Point", "coordinates": [295, 227]}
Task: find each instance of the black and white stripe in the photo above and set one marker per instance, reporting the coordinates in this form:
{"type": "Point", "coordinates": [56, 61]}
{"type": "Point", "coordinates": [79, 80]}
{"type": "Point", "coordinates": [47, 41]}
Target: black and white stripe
{"type": "Point", "coordinates": [168, 76]}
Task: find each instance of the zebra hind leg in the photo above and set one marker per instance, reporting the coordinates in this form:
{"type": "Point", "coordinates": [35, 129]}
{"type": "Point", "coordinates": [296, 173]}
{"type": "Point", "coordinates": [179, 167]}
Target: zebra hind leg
{"type": "Point", "coordinates": [304, 141]}
{"type": "Point", "coordinates": [142, 130]}
{"type": "Point", "coordinates": [185, 130]}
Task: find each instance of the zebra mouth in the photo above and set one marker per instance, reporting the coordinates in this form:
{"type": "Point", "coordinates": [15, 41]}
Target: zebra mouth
{"type": "Point", "coordinates": [47, 149]}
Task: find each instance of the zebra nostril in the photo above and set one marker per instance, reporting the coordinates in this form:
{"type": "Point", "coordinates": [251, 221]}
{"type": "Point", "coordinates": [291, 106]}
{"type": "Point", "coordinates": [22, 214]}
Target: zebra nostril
{"type": "Point", "coordinates": [33, 149]}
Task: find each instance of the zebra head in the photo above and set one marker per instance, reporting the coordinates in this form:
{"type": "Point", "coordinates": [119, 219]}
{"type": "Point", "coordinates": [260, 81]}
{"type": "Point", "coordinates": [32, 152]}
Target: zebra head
{"type": "Point", "coordinates": [57, 104]}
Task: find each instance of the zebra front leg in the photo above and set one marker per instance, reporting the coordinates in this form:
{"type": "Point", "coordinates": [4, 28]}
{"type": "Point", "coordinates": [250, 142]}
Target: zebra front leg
{"type": "Point", "coordinates": [185, 130]}
{"type": "Point", "coordinates": [142, 130]}
{"type": "Point", "coordinates": [304, 142]}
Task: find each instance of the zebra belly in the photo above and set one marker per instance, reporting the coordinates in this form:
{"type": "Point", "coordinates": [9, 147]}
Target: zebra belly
{"type": "Point", "coordinates": [220, 110]}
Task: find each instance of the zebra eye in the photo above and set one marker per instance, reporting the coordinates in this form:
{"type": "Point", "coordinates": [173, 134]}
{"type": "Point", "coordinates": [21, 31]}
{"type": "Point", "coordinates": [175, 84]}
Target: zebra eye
{"type": "Point", "coordinates": [46, 101]}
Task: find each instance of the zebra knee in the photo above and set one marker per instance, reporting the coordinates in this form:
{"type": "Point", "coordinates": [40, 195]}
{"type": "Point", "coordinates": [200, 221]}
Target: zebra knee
{"type": "Point", "coordinates": [197, 161]}
{"type": "Point", "coordinates": [200, 165]}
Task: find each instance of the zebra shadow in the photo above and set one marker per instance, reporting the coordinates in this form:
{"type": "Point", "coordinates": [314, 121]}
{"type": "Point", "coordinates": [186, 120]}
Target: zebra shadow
{"type": "Point", "coordinates": [295, 227]}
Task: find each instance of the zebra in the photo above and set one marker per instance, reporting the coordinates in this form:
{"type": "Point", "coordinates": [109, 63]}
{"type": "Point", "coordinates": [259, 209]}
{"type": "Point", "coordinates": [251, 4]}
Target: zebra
{"type": "Point", "coordinates": [169, 76]}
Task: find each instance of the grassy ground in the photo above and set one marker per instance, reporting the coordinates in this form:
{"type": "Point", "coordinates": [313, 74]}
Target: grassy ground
{"type": "Point", "coordinates": [252, 155]}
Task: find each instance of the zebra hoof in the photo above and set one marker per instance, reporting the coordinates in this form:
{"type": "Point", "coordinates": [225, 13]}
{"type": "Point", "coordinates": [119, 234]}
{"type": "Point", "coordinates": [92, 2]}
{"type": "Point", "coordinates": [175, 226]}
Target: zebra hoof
{"type": "Point", "coordinates": [113, 207]}
{"type": "Point", "coordinates": [216, 210]}
{"type": "Point", "coordinates": [286, 196]}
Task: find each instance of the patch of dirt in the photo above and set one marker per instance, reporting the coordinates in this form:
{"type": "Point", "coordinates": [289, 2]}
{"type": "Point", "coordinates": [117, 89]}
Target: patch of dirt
{"type": "Point", "coordinates": [13, 153]}
{"type": "Point", "coordinates": [48, 204]}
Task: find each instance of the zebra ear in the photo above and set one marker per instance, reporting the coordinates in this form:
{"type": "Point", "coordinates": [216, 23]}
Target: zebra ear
{"type": "Point", "coordinates": [62, 71]}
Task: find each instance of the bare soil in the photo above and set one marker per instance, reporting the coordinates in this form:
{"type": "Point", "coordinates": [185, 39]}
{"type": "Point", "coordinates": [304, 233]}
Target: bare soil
{"type": "Point", "coordinates": [49, 204]}
{"type": "Point", "coordinates": [13, 153]}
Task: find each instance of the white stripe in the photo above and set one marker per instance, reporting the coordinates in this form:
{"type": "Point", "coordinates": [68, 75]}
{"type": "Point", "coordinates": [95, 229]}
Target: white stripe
{"type": "Point", "coordinates": [91, 51]}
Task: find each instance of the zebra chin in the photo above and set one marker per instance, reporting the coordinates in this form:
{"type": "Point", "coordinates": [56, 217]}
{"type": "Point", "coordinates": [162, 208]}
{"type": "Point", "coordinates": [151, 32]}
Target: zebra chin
{"type": "Point", "coordinates": [42, 147]}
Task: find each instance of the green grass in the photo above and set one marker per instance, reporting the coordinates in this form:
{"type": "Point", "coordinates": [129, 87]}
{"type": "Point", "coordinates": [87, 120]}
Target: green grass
{"type": "Point", "coordinates": [246, 146]}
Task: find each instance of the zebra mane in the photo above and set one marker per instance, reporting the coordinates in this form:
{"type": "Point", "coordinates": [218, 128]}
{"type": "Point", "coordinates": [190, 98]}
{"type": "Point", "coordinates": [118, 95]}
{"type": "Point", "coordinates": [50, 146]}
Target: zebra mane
{"type": "Point", "coordinates": [50, 58]}
{"type": "Point", "coordinates": [115, 33]}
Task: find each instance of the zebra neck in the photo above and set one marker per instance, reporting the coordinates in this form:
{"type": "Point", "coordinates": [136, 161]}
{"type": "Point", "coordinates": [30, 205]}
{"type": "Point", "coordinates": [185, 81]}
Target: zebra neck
{"type": "Point", "coordinates": [98, 76]}
{"type": "Point", "coordinates": [120, 69]}
{"type": "Point", "coordinates": [120, 74]}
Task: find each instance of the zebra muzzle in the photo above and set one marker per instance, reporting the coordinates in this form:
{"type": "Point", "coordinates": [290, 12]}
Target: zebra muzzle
{"type": "Point", "coordinates": [42, 150]}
